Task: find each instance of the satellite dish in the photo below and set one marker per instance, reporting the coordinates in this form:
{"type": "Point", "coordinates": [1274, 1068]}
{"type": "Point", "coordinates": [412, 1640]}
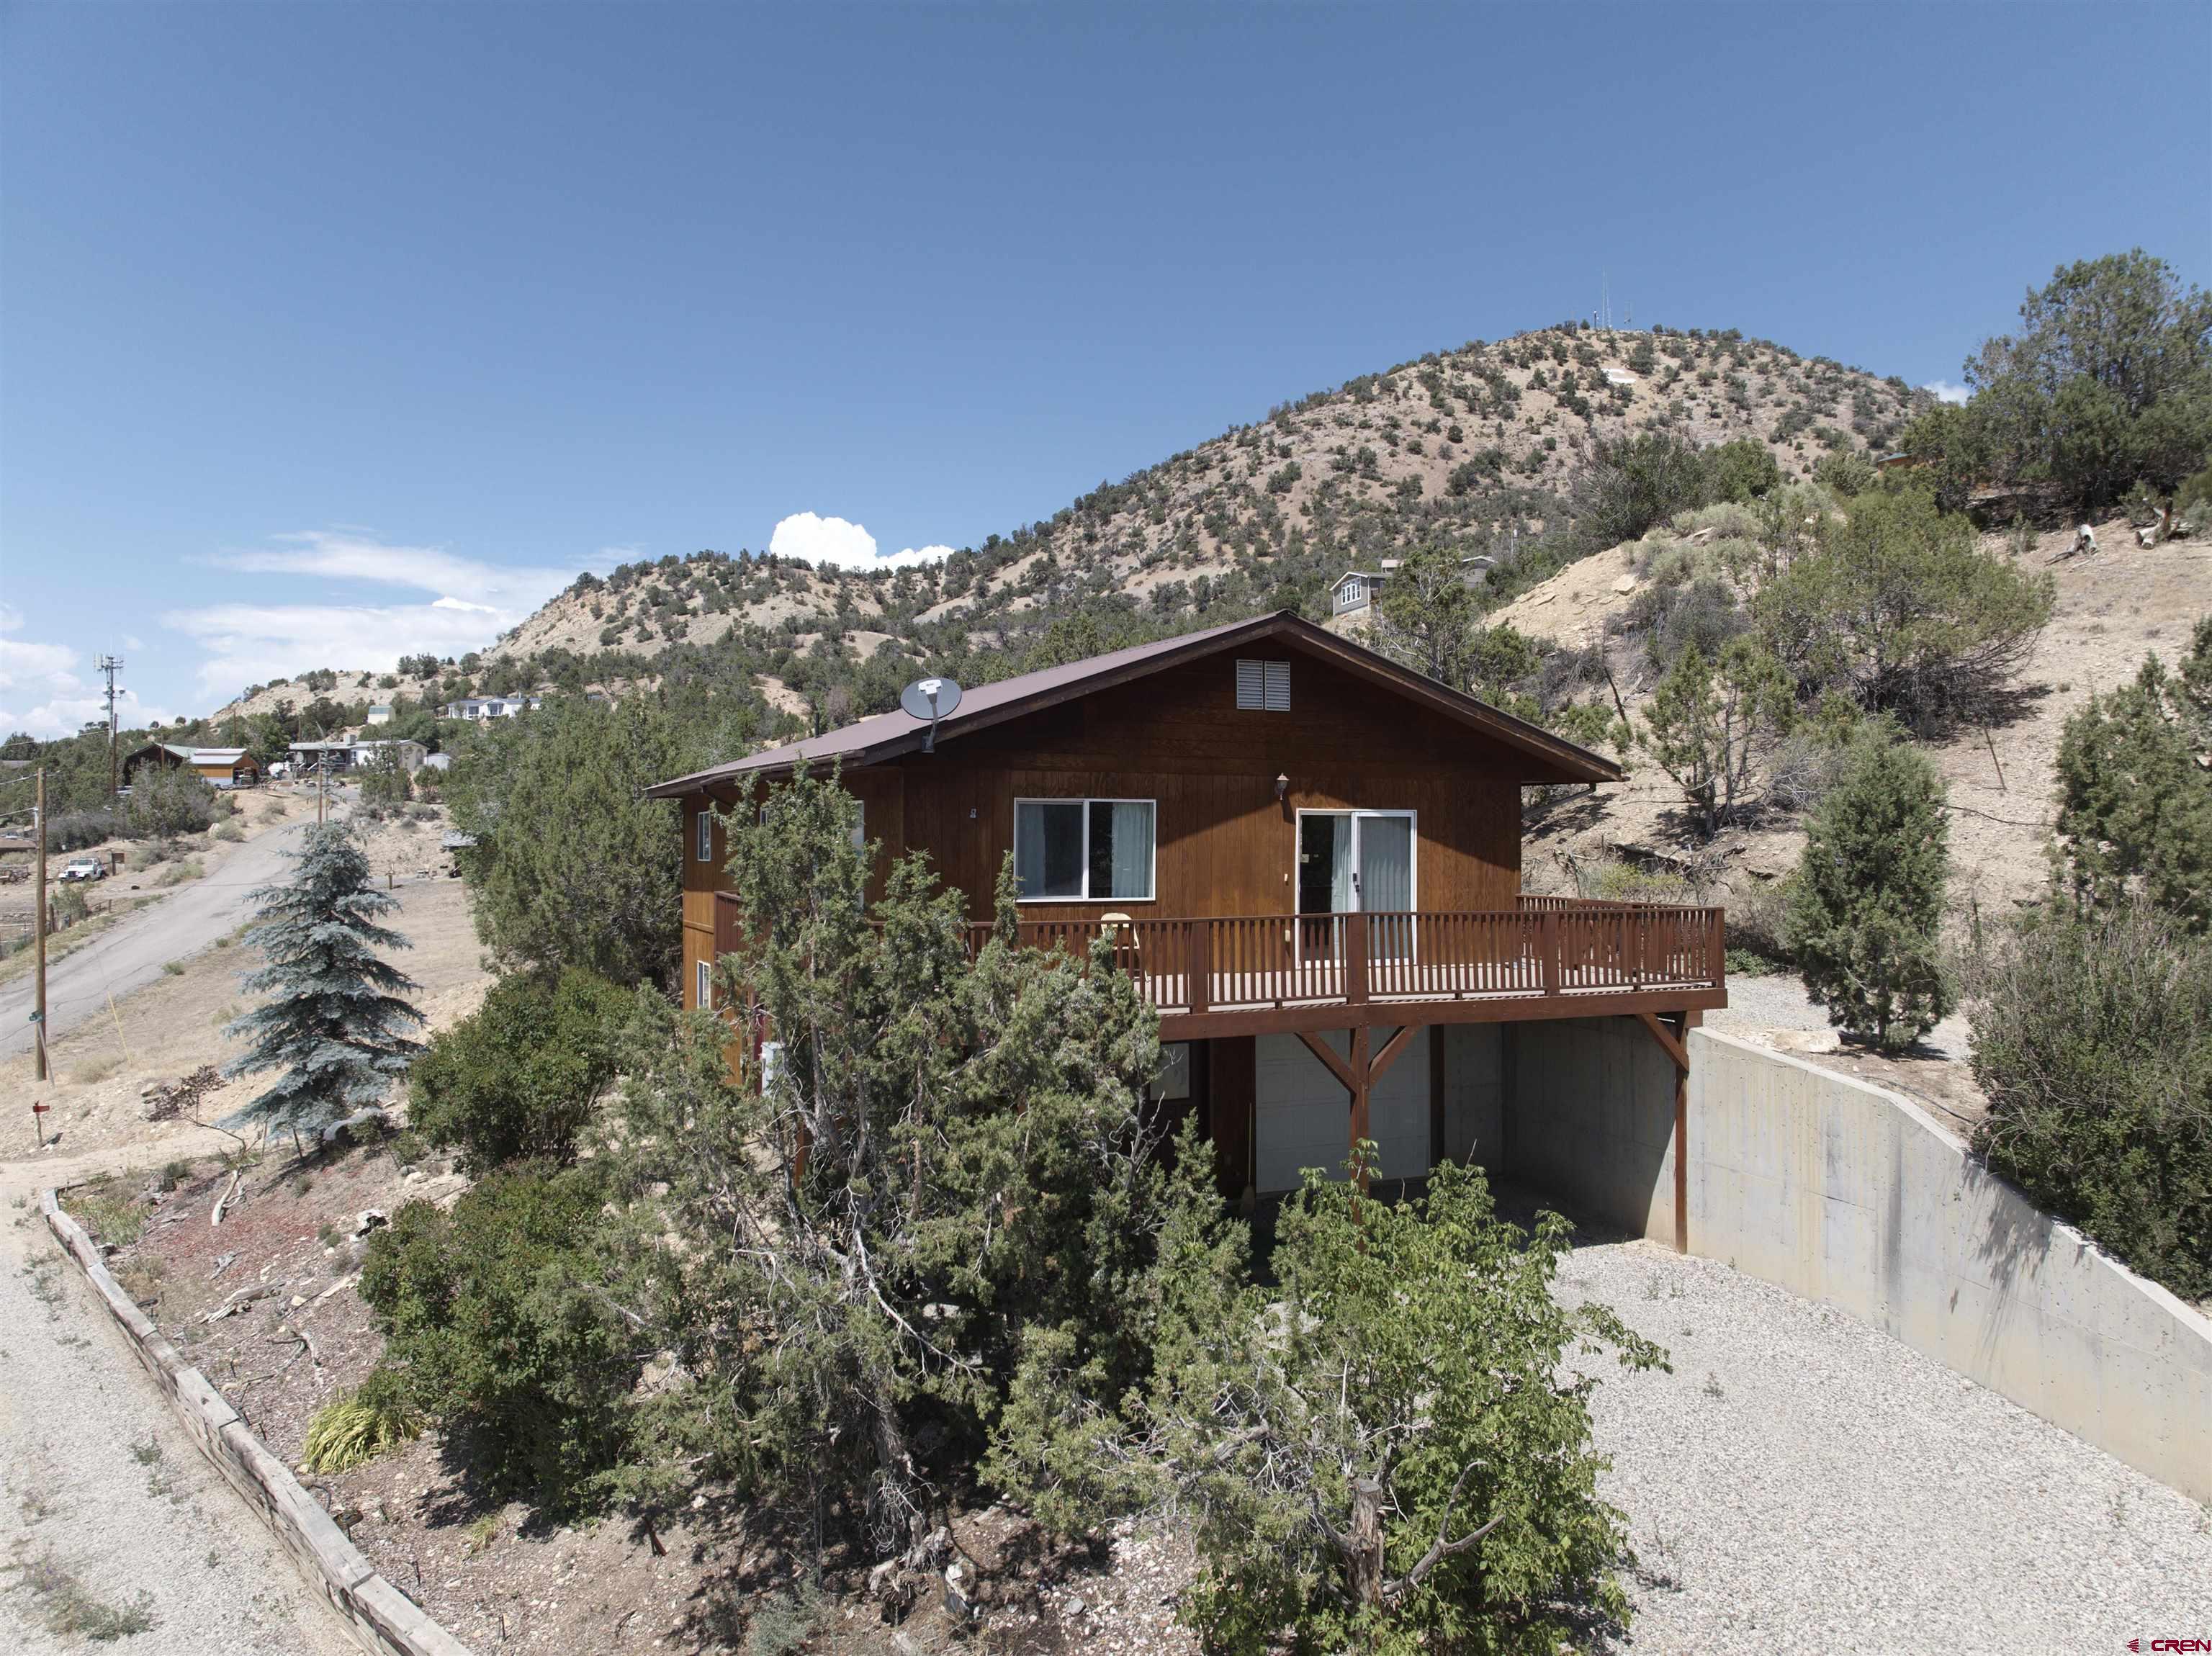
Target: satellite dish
{"type": "Point", "coordinates": [931, 698]}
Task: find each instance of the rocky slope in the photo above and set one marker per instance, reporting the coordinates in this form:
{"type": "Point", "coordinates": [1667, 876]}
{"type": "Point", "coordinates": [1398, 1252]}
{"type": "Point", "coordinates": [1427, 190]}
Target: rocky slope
{"type": "Point", "coordinates": [1473, 446]}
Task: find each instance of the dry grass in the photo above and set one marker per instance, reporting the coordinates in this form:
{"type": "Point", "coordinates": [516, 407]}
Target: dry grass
{"type": "Point", "coordinates": [94, 1070]}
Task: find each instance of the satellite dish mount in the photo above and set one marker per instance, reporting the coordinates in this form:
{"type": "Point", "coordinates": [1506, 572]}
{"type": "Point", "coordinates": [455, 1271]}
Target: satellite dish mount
{"type": "Point", "coordinates": [931, 698]}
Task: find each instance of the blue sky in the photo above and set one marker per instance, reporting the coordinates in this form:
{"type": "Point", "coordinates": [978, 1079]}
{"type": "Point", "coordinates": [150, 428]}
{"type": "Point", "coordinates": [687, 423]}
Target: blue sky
{"type": "Point", "coordinates": [330, 331]}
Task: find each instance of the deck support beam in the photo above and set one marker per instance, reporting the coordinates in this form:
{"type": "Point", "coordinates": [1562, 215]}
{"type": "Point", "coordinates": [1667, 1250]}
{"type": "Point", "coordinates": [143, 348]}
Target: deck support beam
{"type": "Point", "coordinates": [1358, 1073]}
{"type": "Point", "coordinates": [1674, 1041]}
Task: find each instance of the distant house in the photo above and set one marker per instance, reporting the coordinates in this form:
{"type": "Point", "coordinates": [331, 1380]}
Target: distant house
{"type": "Point", "coordinates": [379, 715]}
{"type": "Point", "coordinates": [332, 758]}
{"type": "Point", "coordinates": [411, 754]}
{"type": "Point", "coordinates": [1357, 589]}
{"type": "Point", "coordinates": [490, 706]}
{"type": "Point", "coordinates": [225, 767]}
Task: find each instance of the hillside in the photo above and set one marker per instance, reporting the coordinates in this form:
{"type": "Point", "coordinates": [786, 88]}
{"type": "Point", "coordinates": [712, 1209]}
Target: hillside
{"type": "Point", "coordinates": [1473, 447]}
{"type": "Point", "coordinates": [2112, 611]}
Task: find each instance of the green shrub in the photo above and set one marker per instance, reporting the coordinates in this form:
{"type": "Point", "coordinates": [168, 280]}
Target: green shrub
{"type": "Point", "coordinates": [165, 801]}
{"type": "Point", "coordinates": [1899, 610]}
{"type": "Point", "coordinates": [518, 1077]}
{"type": "Point", "coordinates": [1406, 1381]}
{"type": "Point", "coordinates": [1631, 483]}
{"type": "Point", "coordinates": [1741, 470]}
{"type": "Point", "coordinates": [2135, 807]}
{"type": "Point", "coordinates": [2092, 1044]}
{"type": "Point", "coordinates": [496, 1325]}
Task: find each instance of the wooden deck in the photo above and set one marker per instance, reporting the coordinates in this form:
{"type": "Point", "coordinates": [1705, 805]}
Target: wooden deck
{"type": "Point", "coordinates": [1549, 957]}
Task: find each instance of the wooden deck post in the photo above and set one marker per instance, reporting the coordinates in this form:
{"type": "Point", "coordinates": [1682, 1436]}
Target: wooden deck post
{"type": "Point", "coordinates": [1198, 993]}
{"type": "Point", "coordinates": [1684, 1022]}
{"type": "Point", "coordinates": [1361, 1081]}
{"type": "Point", "coordinates": [1355, 960]}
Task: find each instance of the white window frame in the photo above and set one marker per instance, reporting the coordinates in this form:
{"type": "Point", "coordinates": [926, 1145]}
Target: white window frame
{"type": "Point", "coordinates": [704, 850]}
{"type": "Point", "coordinates": [706, 985]}
{"type": "Point", "coordinates": [1087, 800]}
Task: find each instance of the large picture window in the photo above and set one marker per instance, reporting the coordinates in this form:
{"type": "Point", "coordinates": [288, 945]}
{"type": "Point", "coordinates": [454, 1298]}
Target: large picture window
{"type": "Point", "coordinates": [1083, 851]}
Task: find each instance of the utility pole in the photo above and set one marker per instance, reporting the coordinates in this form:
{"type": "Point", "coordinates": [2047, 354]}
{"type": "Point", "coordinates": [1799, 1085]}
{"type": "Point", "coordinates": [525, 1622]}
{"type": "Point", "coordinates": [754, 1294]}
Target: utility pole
{"type": "Point", "coordinates": [112, 666]}
{"type": "Point", "coordinates": [38, 936]}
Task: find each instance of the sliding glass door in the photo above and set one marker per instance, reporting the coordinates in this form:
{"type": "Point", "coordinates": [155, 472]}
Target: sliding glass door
{"type": "Point", "coordinates": [1355, 862]}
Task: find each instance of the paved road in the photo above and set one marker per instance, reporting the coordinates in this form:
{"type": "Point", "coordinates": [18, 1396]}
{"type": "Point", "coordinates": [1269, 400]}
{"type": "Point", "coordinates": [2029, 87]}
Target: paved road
{"type": "Point", "coordinates": [99, 1484]}
{"type": "Point", "coordinates": [132, 953]}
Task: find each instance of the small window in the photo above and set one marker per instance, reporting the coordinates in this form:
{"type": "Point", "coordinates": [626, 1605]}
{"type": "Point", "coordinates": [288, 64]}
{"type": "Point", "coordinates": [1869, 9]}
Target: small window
{"type": "Point", "coordinates": [706, 985]}
{"type": "Point", "coordinates": [1263, 686]}
{"type": "Point", "coordinates": [1084, 850]}
{"type": "Point", "coordinates": [706, 820]}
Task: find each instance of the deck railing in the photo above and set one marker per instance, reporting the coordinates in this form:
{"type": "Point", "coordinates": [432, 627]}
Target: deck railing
{"type": "Point", "coordinates": [1545, 948]}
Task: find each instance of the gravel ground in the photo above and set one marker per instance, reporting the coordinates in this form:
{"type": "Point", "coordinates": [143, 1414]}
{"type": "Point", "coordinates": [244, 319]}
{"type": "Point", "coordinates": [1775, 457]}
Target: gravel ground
{"type": "Point", "coordinates": [1778, 1001]}
{"type": "Point", "coordinates": [102, 1494]}
{"type": "Point", "coordinates": [1803, 1481]}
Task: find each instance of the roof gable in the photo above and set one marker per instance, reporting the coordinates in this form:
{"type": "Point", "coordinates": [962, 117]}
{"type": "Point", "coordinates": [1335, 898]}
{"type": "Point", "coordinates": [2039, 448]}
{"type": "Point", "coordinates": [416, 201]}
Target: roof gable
{"type": "Point", "coordinates": [871, 740]}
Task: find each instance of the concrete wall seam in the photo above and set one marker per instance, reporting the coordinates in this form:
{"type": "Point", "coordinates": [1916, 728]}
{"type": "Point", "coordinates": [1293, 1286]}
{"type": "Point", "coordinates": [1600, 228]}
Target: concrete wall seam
{"type": "Point", "coordinates": [383, 1620]}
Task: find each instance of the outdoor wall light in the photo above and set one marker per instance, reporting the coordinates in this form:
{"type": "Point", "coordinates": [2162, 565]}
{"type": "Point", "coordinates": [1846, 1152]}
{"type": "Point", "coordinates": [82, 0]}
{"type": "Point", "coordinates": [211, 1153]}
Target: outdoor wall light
{"type": "Point", "coordinates": [1282, 788]}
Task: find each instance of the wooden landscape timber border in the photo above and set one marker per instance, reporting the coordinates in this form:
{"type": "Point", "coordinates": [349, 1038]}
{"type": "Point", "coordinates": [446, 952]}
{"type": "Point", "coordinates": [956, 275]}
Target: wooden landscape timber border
{"type": "Point", "coordinates": [383, 1620]}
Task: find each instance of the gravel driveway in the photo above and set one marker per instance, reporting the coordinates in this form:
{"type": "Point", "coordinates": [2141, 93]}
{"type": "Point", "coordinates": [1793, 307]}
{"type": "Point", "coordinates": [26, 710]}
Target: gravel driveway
{"type": "Point", "coordinates": [103, 1495]}
{"type": "Point", "coordinates": [1804, 1482]}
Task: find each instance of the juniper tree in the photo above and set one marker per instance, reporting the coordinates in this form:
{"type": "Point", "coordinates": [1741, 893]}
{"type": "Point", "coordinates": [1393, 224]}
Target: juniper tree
{"type": "Point", "coordinates": [1867, 900]}
{"type": "Point", "coordinates": [1704, 725]}
{"type": "Point", "coordinates": [2135, 808]}
{"type": "Point", "coordinates": [1387, 1449]}
{"type": "Point", "coordinates": [846, 1250]}
{"type": "Point", "coordinates": [332, 1024]}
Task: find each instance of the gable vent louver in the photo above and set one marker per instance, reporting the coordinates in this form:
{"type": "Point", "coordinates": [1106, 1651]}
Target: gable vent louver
{"type": "Point", "coordinates": [1263, 686]}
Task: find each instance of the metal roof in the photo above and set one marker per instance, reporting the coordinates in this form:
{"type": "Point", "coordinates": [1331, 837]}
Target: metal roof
{"type": "Point", "coordinates": [887, 736]}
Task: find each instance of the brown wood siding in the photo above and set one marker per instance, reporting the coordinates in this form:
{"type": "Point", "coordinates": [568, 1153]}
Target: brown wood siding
{"type": "Point", "coordinates": [1225, 845]}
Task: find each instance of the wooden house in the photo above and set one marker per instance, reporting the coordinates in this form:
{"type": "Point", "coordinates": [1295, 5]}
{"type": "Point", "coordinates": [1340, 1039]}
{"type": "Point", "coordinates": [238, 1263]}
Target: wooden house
{"type": "Point", "coordinates": [225, 767]}
{"type": "Point", "coordinates": [1309, 857]}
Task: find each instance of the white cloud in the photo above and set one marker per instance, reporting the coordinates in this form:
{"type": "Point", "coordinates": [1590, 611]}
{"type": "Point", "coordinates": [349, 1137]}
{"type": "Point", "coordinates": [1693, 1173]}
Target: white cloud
{"type": "Point", "coordinates": [824, 541]}
{"type": "Point", "coordinates": [44, 693]}
{"type": "Point", "coordinates": [252, 643]}
{"type": "Point", "coordinates": [1945, 391]}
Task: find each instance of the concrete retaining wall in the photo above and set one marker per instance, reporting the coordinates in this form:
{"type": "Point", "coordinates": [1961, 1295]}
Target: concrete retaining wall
{"type": "Point", "coordinates": [1845, 1193]}
{"type": "Point", "coordinates": [384, 1620]}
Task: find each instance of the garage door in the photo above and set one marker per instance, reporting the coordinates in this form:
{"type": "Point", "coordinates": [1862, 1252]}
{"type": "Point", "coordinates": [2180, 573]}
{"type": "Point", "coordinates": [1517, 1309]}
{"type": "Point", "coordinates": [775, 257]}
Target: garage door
{"type": "Point", "coordinates": [1303, 1118]}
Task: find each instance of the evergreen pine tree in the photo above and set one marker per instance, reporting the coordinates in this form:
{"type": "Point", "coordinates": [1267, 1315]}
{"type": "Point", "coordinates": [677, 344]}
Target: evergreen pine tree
{"type": "Point", "coordinates": [1867, 897]}
{"type": "Point", "coordinates": [332, 1023]}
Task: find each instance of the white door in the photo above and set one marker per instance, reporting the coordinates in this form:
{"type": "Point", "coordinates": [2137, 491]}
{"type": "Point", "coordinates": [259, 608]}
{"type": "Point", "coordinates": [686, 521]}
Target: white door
{"type": "Point", "coordinates": [1302, 1116]}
